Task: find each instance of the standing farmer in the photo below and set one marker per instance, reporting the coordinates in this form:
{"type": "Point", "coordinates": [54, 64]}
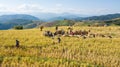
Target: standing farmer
{"type": "Point", "coordinates": [41, 28]}
{"type": "Point", "coordinates": [59, 39]}
{"type": "Point", "coordinates": [17, 43]}
{"type": "Point", "coordinates": [56, 27]}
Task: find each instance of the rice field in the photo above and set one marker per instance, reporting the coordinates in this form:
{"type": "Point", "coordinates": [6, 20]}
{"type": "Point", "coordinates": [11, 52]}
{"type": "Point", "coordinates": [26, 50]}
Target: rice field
{"type": "Point", "coordinates": [37, 50]}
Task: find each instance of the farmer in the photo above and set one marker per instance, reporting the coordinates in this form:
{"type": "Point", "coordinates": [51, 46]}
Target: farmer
{"type": "Point", "coordinates": [17, 43]}
{"type": "Point", "coordinates": [56, 27]}
{"type": "Point", "coordinates": [59, 39]}
{"type": "Point", "coordinates": [41, 28]}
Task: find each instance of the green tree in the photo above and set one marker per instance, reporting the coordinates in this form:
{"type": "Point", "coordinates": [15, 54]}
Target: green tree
{"type": "Point", "coordinates": [18, 27]}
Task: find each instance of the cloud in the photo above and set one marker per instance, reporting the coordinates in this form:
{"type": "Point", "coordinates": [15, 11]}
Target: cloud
{"type": "Point", "coordinates": [36, 8]}
{"type": "Point", "coordinates": [2, 8]}
{"type": "Point", "coordinates": [21, 8]}
{"type": "Point", "coordinates": [24, 8]}
{"type": "Point", "coordinates": [28, 7]}
{"type": "Point", "coordinates": [59, 5]}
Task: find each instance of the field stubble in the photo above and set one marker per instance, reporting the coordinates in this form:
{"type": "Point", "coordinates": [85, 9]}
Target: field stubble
{"type": "Point", "coordinates": [39, 51]}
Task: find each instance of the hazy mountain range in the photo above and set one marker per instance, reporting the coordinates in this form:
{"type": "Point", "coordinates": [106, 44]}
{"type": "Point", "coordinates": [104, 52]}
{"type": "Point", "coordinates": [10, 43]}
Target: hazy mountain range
{"type": "Point", "coordinates": [31, 21]}
{"type": "Point", "coordinates": [6, 18]}
{"type": "Point", "coordinates": [55, 16]}
{"type": "Point", "coordinates": [9, 21]}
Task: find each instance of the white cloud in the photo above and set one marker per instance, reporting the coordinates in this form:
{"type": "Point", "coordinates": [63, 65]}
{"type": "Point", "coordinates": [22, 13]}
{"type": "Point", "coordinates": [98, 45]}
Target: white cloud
{"type": "Point", "coordinates": [33, 8]}
{"type": "Point", "coordinates": [29, 7]}
{"type": "Point", "coordinates": [2, 8]}
{"type": "Point", "coordinates": [21, 8]}
{"type": "Point", "coordinates": [59, 5]}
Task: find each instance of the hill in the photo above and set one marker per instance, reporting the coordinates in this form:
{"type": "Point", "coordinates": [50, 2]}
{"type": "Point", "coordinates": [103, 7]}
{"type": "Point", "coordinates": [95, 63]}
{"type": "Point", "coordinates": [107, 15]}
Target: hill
{"type": "Point", "coordinates": [59, 23]}
{"type": "Point", "coordinates": [8, 21]}
{"type": "Point", "coordinates": [113, 22]}
{"type": "Point", "coordinates": [102, 17]}
{"type": "Point", "coordinates": [77, 17]}
{"type": "Point", "coordinates": [7, 18]}
{"type": "Point", "coordinates": [60, 16]}
{"type": "Point", "coordinates": [25, 23]}
{"type": "Point", "coordinates": [29, 21]}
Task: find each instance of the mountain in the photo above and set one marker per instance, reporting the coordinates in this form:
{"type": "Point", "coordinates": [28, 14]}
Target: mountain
{"type": "Point", "coordinates": [110, 19]}
{"type": "Point", "coordinates": [68, 17]}
{"type": "Point", "coordinates": [25, 23]}
{"type": "Point", "coordinates": [113, 22]}
{"type": "Point", "coordinates": [102, 17]}
{"type": "Point", "coordinates": [55, 16]}
{"type": "Point", "coordinates": [7, 18]}
{"type": "Point", "coordinates": [64, 19]}
{"type": "Point", "coordinates": [9, 21]}
{"type": "Point", "coordinates": [55, 19]}
{"type": "Point", "coordinates": [59, 23]}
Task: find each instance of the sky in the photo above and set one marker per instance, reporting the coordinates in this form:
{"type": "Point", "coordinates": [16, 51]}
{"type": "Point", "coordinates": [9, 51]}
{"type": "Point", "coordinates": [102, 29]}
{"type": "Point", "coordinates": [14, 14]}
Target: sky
{"type": "Point", "coordinates": [85, 7]}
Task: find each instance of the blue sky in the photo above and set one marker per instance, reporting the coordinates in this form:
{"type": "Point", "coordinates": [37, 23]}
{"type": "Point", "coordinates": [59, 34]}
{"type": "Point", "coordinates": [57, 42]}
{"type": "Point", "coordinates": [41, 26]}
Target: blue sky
{"type": "Point", "coordinates": [87, 7]}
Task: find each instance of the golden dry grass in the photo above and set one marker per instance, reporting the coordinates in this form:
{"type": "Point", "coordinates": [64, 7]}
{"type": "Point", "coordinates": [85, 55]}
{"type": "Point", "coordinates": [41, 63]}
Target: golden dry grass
{"type": "Point", "coordinates": [37, 50]}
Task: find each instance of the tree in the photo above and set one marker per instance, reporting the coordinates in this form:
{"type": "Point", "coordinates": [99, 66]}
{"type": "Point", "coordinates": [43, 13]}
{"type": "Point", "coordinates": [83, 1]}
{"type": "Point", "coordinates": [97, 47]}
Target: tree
{"type": "Point", "coordinates": [18, 27]}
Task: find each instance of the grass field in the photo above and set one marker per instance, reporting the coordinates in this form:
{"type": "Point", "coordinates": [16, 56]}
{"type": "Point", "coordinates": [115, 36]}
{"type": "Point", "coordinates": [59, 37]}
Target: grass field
{"type": "Point", "coordinates": [37, 50]}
